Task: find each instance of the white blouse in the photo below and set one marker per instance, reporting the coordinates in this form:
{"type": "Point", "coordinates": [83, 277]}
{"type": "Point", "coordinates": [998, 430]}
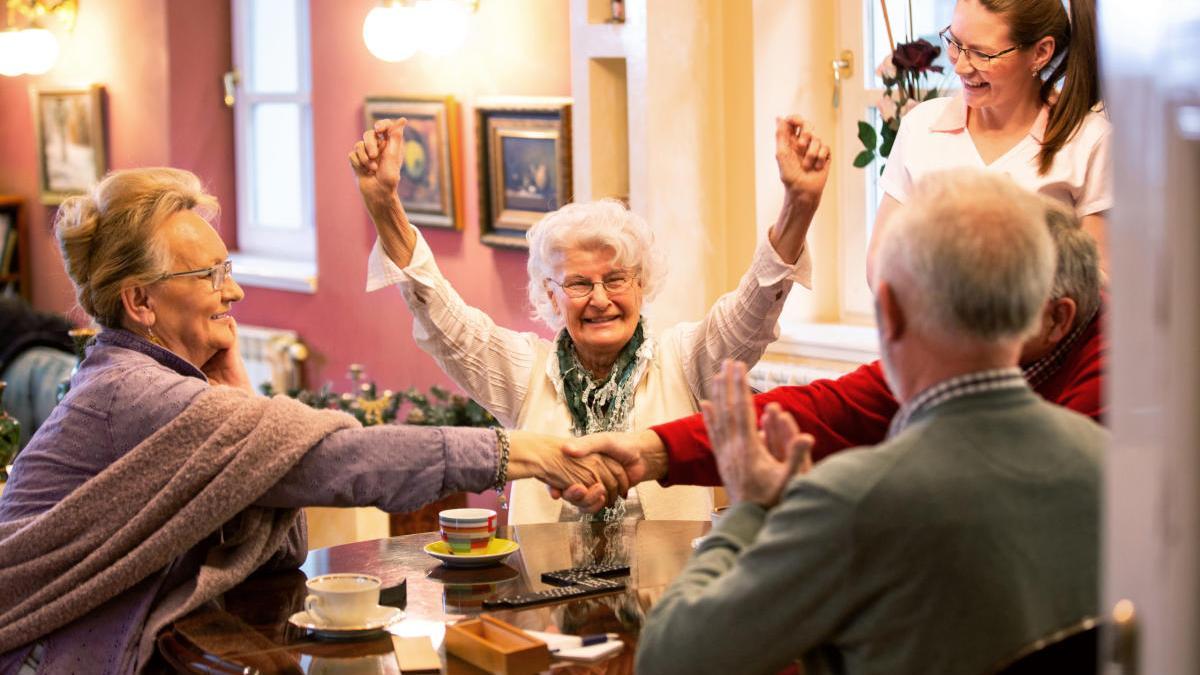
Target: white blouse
{"type": "Point", "coordinates": [514, 375]}
{"type": "Point", "coordinates": [934, 137]}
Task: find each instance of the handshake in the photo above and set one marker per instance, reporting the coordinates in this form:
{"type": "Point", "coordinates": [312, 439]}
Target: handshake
{"type": "Point", "coordinates": [755, 464]}
{"type": "Point", "coordinates": [589, 472]}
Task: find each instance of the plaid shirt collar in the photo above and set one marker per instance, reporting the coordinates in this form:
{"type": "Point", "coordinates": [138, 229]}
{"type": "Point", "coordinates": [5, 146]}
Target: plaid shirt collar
{"type": "Point", "coordinates": [957, 387]}
{"type": "Point", "coordinates": [1039, 371]}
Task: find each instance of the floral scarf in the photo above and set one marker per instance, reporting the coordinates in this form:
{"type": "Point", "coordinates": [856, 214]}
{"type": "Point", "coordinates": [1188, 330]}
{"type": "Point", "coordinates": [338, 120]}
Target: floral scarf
{"type": "Point", "coordinates": [600, 405]}
{"type": "Point", "coordinates": [597, 405]}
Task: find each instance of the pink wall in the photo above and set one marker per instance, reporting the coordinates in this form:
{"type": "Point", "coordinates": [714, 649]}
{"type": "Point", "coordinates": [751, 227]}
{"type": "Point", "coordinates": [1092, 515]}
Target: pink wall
{"type": "Point", "coordinates": [119, 45]}
{"type": "Point", "coordinates": [161, 63]}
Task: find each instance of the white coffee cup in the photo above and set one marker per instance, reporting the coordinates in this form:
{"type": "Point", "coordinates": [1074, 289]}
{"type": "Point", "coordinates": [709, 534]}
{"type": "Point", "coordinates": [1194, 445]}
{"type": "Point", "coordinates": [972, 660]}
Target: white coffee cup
{"type": "Point", "coordinates": [342, 599]}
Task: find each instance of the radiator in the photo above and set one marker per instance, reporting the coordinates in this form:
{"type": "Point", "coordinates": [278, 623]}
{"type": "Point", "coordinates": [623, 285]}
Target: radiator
{"type": "Point", "coordinates": [767, 375]}
{"type": "Point", "coordinates": [272, 356]}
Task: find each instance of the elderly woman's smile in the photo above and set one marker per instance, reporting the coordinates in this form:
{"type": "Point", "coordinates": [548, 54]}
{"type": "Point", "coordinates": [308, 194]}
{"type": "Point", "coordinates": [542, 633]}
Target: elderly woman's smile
{"type": "Point", "coordinates": [191, 318]}
{"type": "Point", "coordinates": [602, 322]}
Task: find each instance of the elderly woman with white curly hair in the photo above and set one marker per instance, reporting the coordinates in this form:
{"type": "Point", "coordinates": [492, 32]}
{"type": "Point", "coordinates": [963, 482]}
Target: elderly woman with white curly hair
{"type": "Point", "coordinates": [591, 267]}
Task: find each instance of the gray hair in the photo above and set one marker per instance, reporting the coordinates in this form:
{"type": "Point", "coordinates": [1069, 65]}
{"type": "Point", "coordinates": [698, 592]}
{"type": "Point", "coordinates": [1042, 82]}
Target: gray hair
{"type": "Point", "coordinates": [109, 236]}
{"type": "Point", "coordinates": [974, 249]}
{"type": "Point", "coordinates": [602, 224]}
{"type": "Point", "coordinates": [1077, 272]}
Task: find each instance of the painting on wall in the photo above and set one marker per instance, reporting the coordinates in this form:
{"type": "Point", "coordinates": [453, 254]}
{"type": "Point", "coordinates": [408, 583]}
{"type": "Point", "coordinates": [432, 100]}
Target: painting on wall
{"type": "Point", "coordinates": [524, 149]}
{"type": "Point", "coordinates": [72, 150]}
{"type": "Point", "coordinates": [429, 174]}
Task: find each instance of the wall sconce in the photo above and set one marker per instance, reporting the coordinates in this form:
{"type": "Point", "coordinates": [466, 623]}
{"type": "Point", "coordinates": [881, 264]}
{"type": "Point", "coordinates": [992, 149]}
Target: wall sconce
{"type": "Point", "coordinates": [398, 29]}
{"type": "Point", "coordinates": [33, 50]}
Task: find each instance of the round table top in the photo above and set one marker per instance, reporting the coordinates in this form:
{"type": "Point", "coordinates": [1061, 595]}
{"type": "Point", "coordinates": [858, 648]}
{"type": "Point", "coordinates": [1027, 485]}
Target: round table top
{"type": "Point", "coordinates": [248, 627]}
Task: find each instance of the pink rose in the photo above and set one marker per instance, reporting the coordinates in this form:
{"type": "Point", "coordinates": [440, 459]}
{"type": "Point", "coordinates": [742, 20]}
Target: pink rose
{"type": "Point", "coordinates": [887, 107]}
{"type": "Point", "coordinates": [887, 68]}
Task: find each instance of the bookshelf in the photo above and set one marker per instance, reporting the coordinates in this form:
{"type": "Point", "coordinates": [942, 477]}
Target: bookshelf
{"type": "Point", "coordinates": [14, 254]}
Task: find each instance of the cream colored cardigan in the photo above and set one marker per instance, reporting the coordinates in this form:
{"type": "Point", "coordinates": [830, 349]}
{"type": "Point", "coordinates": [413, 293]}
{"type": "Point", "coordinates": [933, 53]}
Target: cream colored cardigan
{"type": "Point", "coordinates": [515, 377]}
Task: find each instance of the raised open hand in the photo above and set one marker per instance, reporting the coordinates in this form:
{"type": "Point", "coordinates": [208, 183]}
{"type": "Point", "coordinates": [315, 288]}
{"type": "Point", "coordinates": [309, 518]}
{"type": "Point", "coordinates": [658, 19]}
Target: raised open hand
{"type": "Point", "coordinates": [750, 470]}
{"type": "Point", "coordinates": [802, 158]}
{"type": "Point", "coordinates": [377, 158]}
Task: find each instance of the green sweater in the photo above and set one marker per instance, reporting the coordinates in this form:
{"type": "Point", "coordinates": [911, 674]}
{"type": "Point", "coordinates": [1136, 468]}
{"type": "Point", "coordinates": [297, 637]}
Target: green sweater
{"type": "Point", "coordinates": [946, 549]}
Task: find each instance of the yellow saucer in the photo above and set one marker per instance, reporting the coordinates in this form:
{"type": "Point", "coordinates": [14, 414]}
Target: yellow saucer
{"type": "Point", "coordinates": [497, 550]}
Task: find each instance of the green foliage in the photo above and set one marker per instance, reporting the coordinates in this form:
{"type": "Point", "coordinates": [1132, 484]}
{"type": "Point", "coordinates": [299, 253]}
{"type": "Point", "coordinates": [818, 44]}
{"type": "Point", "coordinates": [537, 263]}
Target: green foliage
{"type": "Point", "coordinates": [438, 407]}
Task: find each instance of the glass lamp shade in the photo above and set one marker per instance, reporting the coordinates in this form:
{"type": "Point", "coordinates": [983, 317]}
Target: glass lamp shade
{"type": "Point", "coordinates": [40, 49]}
{"type": "Point", "coordinates": [392, 32]}
{"type": "Point", "coordinates": [12, 61]}
{"type": "Point", "coordinates": [443, 25]}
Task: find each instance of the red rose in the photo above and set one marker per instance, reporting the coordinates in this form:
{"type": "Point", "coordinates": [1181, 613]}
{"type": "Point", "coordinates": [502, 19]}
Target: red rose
{"type": "Point", "coordinates": [916, 56]}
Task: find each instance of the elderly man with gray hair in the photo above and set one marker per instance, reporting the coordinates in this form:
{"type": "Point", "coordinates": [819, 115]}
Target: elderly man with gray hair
{"type": "Point", "coordinates": [967, 534]}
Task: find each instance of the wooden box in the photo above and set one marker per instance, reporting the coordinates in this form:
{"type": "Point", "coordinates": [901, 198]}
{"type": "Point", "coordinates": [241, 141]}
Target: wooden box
{"type": "Point", "coordinates": [497, 647]}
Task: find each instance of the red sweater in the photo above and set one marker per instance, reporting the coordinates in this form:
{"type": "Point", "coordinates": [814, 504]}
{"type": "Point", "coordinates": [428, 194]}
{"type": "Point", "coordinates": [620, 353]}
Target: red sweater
{"type": "Point", "coordinates": [856, 409]}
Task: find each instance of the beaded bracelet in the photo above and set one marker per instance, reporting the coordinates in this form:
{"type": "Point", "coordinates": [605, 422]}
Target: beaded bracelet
{"type": "Point", "coordinates": [502, 449]}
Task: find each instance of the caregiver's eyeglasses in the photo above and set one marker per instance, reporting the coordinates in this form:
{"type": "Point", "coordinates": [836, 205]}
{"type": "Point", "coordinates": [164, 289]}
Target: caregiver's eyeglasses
{"type": "Point", "coordinates": [981, 61]}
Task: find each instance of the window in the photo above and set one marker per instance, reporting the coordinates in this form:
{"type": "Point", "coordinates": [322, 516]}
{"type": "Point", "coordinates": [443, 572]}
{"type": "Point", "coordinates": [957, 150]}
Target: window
{"type": "Point", "coordinates": [273, 137]}
{"type": "Point", "coordinates": [863, 32]}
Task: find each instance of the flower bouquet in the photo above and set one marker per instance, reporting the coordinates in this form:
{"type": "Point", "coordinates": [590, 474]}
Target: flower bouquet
{"type": "Point", "coordinates": [905, 73]}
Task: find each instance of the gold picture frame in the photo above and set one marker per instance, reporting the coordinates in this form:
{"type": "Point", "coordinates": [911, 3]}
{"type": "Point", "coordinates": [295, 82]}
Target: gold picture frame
{"type": "Point", "coordinates": [430, 176]}
{"type": "Point", "coordinates": [524, 149]}
{"type": "Point", "coordinates": [72, 145]}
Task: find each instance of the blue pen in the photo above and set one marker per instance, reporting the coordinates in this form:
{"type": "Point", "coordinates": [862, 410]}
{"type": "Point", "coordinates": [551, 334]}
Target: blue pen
{"type": "Point", "coordinates": [588, 640]}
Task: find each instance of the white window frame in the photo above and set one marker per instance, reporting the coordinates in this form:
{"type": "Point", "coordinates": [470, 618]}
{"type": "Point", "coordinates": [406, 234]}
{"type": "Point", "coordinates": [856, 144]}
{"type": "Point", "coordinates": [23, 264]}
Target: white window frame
{"type": "Point", "coordinates": [856, 209]}
{"type": "Point", "coordinates": [271, 257]}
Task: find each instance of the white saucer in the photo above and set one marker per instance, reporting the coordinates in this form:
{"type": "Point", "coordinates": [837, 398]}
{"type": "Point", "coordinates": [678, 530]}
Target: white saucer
{"type": "Point", "coordinates": [381, 617]}
{"type": "Point", "coordinates": [498, 550]}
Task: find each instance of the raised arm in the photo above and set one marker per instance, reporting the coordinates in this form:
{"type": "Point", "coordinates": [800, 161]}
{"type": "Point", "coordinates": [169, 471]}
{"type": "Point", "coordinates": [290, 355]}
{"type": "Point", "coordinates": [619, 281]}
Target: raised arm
{"type": "Point", "coordinates": [741, 324]}
{"type": "Point", "coordinates": [376, 160]}
{"type": "Point", "coordinates": [492, 363]}
{"type": "Point", "coordinates": [803, 169]}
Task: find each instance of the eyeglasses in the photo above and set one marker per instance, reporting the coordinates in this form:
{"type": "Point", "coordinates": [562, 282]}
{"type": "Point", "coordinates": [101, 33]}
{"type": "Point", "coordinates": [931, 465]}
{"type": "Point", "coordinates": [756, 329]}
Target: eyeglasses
{"type": "Point", "coordinates": [217, 273]}
{"type": "Point", "coordinates": [978, 60]}
{"type": "Point", "coordinates": [614, 284]}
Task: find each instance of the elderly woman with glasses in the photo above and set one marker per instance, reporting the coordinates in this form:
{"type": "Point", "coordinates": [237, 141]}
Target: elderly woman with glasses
{"type": "Point", "coordinates": [161, 480]}
{"type": "Point", "coordinates": [591, 267]}
{"type": "Point", "coordinates": [1011, 116]}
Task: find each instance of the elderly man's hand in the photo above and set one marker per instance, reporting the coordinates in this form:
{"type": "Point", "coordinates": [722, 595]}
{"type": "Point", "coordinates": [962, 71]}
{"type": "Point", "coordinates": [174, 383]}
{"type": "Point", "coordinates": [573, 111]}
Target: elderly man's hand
{"type": "Point", "coordinates": [802, 158]}
{"type": "Point", "coordinates": [540, 456]}
{"type": "Point", "coordinates": [755, 466]}
{"type": "Point", "coordinates": [641, 455]}
{"type": "Point", "coordinates": [377, 158]}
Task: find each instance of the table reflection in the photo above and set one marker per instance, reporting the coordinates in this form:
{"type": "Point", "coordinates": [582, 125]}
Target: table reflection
{"type": "Point", "coordinates": [248, 627]}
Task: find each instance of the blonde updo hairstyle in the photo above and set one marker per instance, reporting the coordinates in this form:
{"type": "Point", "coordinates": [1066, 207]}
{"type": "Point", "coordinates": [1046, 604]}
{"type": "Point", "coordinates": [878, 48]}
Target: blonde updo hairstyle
{"type": "Point", "coordinates": [109, 237]}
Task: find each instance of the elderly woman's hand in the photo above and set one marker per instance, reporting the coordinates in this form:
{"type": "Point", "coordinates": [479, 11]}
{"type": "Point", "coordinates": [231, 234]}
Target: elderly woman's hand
{"type": "Point", "coordinates": [540, 456]}
{"type": "Point", "coordinates": [377, 158]}
{"type": "Point", "coordinates": [802, 158]}
{"type": "Point", "coordinates": [803, 168]}
{"type": "Point", "coordinates": [227, 367]}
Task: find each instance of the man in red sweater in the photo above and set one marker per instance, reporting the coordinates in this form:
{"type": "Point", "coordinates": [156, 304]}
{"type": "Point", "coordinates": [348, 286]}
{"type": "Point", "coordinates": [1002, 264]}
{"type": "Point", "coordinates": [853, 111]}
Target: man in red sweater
{"type": "Point", "coordinates": [1063, 361]}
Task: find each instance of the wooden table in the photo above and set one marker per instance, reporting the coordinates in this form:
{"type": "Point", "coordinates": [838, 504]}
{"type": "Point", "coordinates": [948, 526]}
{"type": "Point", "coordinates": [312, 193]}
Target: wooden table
{"type": "Point", "coordinates": [249, 632]}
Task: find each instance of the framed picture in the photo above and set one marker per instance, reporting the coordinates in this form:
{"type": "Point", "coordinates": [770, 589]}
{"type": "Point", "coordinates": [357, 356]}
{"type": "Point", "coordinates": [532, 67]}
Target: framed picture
{"type": "Point", "coordinates": [72, 150]}
{"type": "Point", "coordinates": [524, 149]}
{"type": "Point", "coordinates": [429, 176]}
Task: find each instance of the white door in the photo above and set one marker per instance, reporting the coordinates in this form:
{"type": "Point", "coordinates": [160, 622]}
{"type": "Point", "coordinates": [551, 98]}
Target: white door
{"type": "Point", "coordinates": [1152, 505]}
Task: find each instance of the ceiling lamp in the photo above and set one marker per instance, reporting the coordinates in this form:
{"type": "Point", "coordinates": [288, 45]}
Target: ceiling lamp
{"type": "Point", "coordinates": [33, 50]}
{"type": "Point", "coordinates": [397, 29]}
{"type": "Point", "coordinates": [390, 32]}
